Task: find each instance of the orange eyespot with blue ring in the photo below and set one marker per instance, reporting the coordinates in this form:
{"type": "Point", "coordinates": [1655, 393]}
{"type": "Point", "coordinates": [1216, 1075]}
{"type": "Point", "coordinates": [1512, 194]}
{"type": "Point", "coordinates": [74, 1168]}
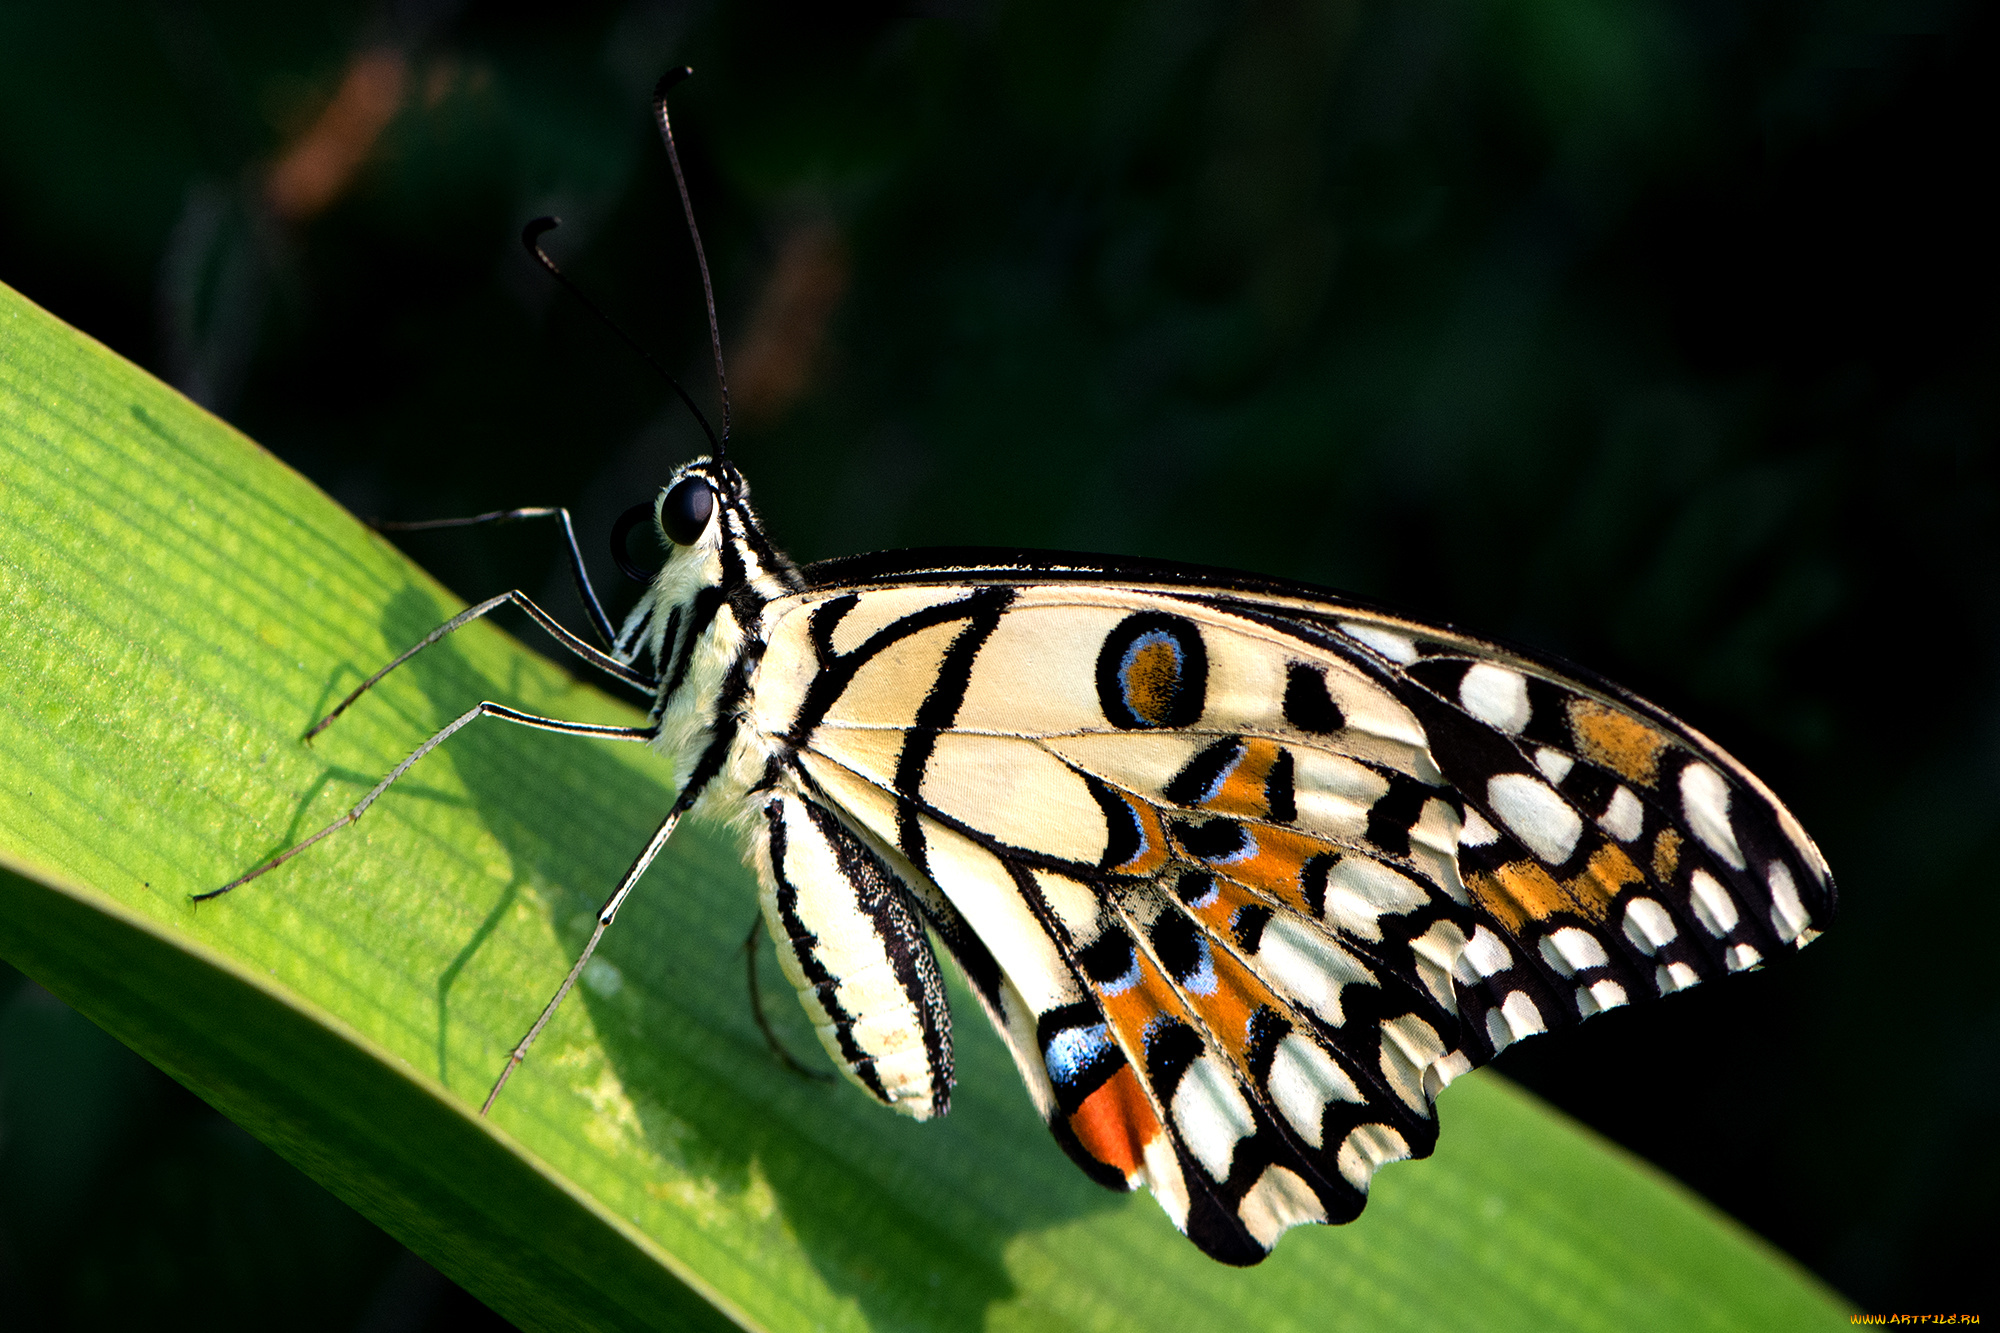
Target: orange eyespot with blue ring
{"type": "Point", "coordinates": [1152, 672]}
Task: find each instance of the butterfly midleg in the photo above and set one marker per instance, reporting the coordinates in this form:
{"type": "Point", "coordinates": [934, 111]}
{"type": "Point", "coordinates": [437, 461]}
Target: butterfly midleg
{"type": "Point", "coordinates": [605, 915]}
{"type": "Point", "coordinates": [599, 622]}
{"type": "Point", "coordinates": [778, 1049]}
{"type": "Point", "coordinates": [603, 661]}
{"type": "Point", "coordinates": [444, 733]}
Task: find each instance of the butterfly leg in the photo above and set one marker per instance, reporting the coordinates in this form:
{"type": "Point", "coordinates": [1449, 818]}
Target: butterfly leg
{"type": "Point", "coordinates": [605, 916]}
{"type": "Point", "coordinates": [482, 709]}
{"type": "Point", "coordinates": [591, 605]}
{"type": "Point", "coordinates": [596, 657]}
{"type": "Point", "coordinates": [783, 1056]}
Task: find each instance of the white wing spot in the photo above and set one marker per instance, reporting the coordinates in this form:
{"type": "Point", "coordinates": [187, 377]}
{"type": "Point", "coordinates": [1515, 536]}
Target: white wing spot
{"type": "Point", "coordinates": [1439, 1076]}
{"type": "Point", "coordinates": [1496, 696]}
{"type": "Point", "coordinates": [1367, 1148]}
{"type": "Point", "coordinates": [1555, 765]}
{"type": "Point", "coordinates": [1310, 967]}
{"type": "Point", "coordinates": [1160, 1168]}
{"type": "Point", "coordinates": [1671, 977]}
{"type": "Point", "coordinates": [1483, 956]}
{"type": "Point", "coordinates": [1391, 645]}
{"type": "Point", "coordinates": [1522, 1016]}
{"type": "Point", "coordinates": [1705, 802]}
{"type": "Point", "coordinates": [1303, 1079]}
{"type": "Point", "coordinates": [1279, 1200]}
{"type": "Point", "coordinates": [1624, 819]}
{"type": "Point", "coordinates": [1516, 1018]}
{"type": "Point", "coordinates": [1436, 951]}
{"type": "Point", "coordinates": [1360, 891]}
{"type": "Point", "coordinates": [1599, 996]}
{"type": "Point", "coordinates": [1744, 957]}
{"type": "Point", "coordinates": [1532, 811]}
{"type": "Point", "coordinates": [1648, 926]}
{"type": "Point", "coordinates": [1572, 949]}
{"type": "Point", "coordinates": [1788, 914]}
{"type": "Point", "coordinates": [1476, 832]}
{"type": "Point", "coordinates": [1409, 1046]}
{"type": "Point", "coordinates": [1713, 906]}
{"type": "Point", "coordinates": [1212, 1115]}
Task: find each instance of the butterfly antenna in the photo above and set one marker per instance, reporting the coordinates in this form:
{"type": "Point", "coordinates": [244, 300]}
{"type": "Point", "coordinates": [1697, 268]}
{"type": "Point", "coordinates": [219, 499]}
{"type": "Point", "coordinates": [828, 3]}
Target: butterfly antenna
{"type": "Point", "coordinates": [660, 91]}
{"type": "Point", "coordinates": [531, 237]}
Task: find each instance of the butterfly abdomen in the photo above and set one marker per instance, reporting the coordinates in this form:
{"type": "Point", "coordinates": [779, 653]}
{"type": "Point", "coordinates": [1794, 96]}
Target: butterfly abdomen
{"type": "Point", "coordinates": [851, 942]}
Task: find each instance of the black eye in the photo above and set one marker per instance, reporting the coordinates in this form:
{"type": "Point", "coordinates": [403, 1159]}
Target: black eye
{"type": "Point", "coordinates": [685, 512]}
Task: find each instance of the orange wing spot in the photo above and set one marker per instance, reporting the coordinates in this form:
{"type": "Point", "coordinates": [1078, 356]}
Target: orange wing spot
{"type": "Point", "coordinates": [1218, 909]}
{"type": "Point", "coordinates": [1617, 741]}
{"type": "Point", "coordinates": [1243, 791]}
{"type": "Point", "coordinates": [1153, 851]}
{"type": "Point", "coordinates": [1608, 871]}
{"type": "Point", "coordinates": [1274, 868]}
{"type": "Point", "coordinates": [1524, 891]}
{"type": "Point", "coordinates": [1517, 893]}
{"type": "Point", "coordinates": [1116, 1122]}
{"type": "Point", "coordinates": [1666, 855]}
{"type": "Point", "coordinates": [1132, 1009]}
{"type": "Point", "coordinates": [1227, 1010]}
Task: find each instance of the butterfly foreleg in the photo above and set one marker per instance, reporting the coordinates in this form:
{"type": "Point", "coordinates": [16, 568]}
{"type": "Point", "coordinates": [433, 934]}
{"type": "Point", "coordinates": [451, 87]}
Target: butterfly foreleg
{"type": "Point", "coordinates": [592, 607]}
{"type": "Point", "coordinates": [601, 660]}
{"type": "Point", "coordinates": [444, 733]}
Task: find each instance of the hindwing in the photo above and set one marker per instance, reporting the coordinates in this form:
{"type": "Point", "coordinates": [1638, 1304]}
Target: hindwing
{"type": "Point", "coordinates": [1243, 873]}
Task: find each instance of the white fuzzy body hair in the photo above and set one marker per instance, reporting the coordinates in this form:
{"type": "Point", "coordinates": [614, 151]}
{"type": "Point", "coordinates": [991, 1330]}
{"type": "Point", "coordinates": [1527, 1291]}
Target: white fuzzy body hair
{"type": "Point", "coordinates": [687, 716]}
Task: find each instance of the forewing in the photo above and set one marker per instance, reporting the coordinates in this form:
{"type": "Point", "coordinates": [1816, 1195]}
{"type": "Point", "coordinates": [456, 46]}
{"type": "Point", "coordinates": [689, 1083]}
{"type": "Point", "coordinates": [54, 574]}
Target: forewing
{"type": "Point", "coordinates": [1613, 852]}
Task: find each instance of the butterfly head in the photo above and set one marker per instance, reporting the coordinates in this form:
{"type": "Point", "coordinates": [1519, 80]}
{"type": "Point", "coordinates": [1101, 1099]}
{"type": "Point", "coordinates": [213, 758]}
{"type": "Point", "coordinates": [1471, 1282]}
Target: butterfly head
{"type": "Point", "coordinates": [719, 572]}
{"type": "Point", "coordinates": [712, 535]}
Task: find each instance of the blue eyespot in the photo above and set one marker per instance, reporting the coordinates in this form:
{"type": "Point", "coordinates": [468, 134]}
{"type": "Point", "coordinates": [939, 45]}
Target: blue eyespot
{"type": "Point", "coordinates": [1073, 1051]}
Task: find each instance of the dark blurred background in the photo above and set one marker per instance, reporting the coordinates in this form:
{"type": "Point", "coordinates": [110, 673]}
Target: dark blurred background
{"type": "Point", "coordinates": [1659, 334]}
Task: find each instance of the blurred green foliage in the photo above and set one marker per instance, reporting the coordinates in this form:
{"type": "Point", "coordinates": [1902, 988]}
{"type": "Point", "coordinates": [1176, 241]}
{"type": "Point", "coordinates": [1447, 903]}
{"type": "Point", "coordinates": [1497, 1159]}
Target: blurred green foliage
{"type": "Point", "coordinates": [1660, 335]}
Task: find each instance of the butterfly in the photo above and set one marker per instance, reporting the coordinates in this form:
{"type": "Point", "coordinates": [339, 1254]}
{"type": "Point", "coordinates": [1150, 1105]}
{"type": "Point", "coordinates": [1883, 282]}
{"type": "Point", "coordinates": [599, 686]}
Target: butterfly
{"type": "Point", "coordinates": [1244, 872]}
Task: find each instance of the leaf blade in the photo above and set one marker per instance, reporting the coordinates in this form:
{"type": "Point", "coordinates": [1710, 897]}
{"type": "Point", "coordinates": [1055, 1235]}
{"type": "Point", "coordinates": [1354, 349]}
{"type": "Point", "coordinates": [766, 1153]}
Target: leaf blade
{"type": "Point", "coordinates": [187, 605]}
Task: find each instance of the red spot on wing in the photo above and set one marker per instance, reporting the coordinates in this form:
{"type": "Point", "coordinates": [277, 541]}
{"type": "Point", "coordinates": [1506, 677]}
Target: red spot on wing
{"type": "Point", "coordinates": [1116, 1122]}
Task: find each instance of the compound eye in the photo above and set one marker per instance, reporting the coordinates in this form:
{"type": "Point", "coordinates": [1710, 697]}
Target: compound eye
{"type": "Point", "coordinates": [685, 511]}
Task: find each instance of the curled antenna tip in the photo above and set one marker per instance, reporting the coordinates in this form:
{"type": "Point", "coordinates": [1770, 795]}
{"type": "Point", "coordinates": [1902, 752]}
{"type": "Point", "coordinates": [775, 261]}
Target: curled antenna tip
{"type": "Point", "coordinates": [531, 236]}
{"type": "Point", "coordinates": [668, 81]}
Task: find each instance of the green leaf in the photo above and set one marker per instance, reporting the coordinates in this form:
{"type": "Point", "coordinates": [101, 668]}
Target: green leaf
{"type": "Point", "coordinates": [179, 606]}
